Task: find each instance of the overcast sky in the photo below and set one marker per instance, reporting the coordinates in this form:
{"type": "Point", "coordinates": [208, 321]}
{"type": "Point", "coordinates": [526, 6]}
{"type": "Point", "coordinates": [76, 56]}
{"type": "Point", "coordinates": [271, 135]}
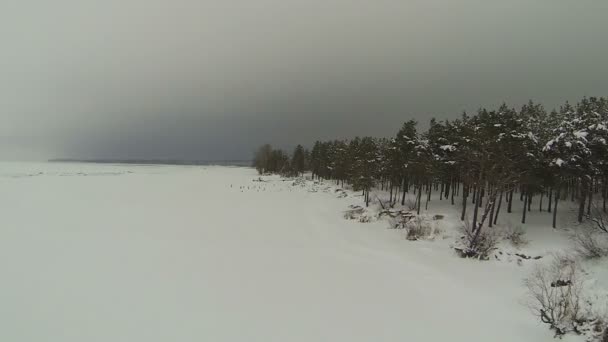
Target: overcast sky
{"type": "Point", "coordinates": [212, 79]}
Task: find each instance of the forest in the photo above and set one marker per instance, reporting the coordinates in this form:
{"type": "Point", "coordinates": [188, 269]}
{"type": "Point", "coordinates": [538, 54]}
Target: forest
{"type": "Point", "coordinates": [490, 162]}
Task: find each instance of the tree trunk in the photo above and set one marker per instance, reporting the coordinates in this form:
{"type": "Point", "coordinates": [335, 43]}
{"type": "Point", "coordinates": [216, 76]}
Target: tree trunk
{"type": "Point", "coordinates": [604, 194]}
{"type": "Point", "coordinates": [509, 207]}
{"type": "Point", "coordinates": [550, 199]}
{"type": "Point", "coordinates": [583, 199]}
{"type": "Point", "coordinates": [476, 210]}
{"type": "Point", "coordinates": [590, 200]}
{"type": "Point", "coordinates": [573, 190]}
{"type": "Point", "coordinates": [428, 198]}
{"type": "Point", "coordinates": [523, 217]}
{"type": "Point", "coordinates": [477, 229]}
{"type": "Point", "coordinates": [419, 198]}
{"type": "Point", "coordinates": [491, 221]}
{"type": "Point", "coordinates": [397, 192]}
{"type": "Point", "coordinates": [498, 208]}
{"type": "Point", "coordinates": [557, 191]}
{"type": "Point", "coordinates": [474, 197]}
{"type": "Point", "coordinates": [464, 201]}
{"type": "Point", "coordinates": [454, 191]}
{"type": "Point", "coordinates": [404, 191]}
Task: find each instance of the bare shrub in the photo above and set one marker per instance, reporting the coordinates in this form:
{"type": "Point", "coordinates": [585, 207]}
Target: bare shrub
{"type": "Point", "coordinates": [556, 295]}
{"type": "Point", "coordinates": [599, 219]}
{"type": "Point", "coordinates": [358, 213]}
{"type": "Point", "coordinates": [592, 239]}
{"type": "Point", "coordinates": [477, 244]}
{"type": "Point", "coordinates": [590, 243]}
{"type": "Point", "coordinates": [515, 235]}
{"type": "Point", "coordinates": [419, 227]}
{"type": "Point", "coordinates": [437, 232]}
{"type": "Point", "coordinates": [399, 219]}
{"type": "Point", "coordinates": [365, 219]}
{"type": "Point", "coordinates": [393, 213]}
{"type": "Point", "coordinates": [410, 203]}
{"type": "Point", "coordinates": [597, 331]}
{"type": "Point", "coordinates": [396, 223]}
{"type": "Point", "coordinates": [354, 212]}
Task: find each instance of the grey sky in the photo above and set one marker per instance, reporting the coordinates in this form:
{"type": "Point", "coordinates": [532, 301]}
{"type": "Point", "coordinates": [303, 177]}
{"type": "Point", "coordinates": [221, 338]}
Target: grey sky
{"type": "Point", "coordinates": [211, 79]}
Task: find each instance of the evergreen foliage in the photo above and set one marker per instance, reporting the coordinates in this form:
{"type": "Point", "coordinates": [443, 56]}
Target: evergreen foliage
{"type": "Point", "coordinates": [483, 160]}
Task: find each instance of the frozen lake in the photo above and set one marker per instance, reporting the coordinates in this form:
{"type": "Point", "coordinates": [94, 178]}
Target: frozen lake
{"type": "Point", "coordinates": [174, 253]}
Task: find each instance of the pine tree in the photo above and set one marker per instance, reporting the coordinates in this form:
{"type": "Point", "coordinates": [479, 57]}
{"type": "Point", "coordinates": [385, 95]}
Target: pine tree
{"type": "Point", "coordinates": [298, 160]}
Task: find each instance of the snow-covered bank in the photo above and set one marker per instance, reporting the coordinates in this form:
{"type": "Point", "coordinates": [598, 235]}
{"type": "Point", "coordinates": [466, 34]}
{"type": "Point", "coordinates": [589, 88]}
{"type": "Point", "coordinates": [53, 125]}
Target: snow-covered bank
{"type": "Point", "coordinates": [165, 253]}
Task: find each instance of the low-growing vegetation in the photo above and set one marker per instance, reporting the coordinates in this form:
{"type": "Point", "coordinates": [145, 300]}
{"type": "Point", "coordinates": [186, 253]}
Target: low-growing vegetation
{"type": "Point", "coordinates": [556, 295]}
{"type": "Point", "coordinates": [419, 227]}
{"type": "Point", "coordinates": [516, 235]}
{"type": "Point", "coordinates": [477, 244]}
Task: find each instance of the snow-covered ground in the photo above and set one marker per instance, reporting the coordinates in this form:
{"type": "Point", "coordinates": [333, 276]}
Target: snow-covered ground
{"type": "Point", "coordinates": [173, 253]}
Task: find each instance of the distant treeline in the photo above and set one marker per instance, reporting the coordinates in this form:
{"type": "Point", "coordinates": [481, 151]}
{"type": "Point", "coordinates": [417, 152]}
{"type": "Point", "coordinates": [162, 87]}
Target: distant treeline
{"type": "Point", "coordinates": [483, 159]}
{"type": "Point", "coordinates": [156, 161]}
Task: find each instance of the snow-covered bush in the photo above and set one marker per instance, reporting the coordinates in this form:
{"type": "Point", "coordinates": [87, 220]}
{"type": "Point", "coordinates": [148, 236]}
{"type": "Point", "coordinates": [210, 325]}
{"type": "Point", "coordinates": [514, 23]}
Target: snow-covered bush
{"type": "Point", "coordinates": [410, 203]}
{"type": "Point", "coordinates": [596, 330]}
{"type": "Point", "coordinates": [358, 213]}
{"type": "Point", "coordinates": [590, 243]}
{"type": "Point", "coordinates": [599, 220]}
{"type": "Point", "coordinates": [299, 181]}
{"type": "Point", "coordinates": [365, 219]}
{"type": "Point", "coordinates": [419, 227]}
{"type": "Point", "coordinates": [354, 212]}
{"type": "Point", "coordinates": [515, 235]}
{"type": "Point", "coordinates": [592, 239]}
{"type": "Point", "coordinates": [555, 293]}
{"type": "Point", "coordinates": [477, 244]}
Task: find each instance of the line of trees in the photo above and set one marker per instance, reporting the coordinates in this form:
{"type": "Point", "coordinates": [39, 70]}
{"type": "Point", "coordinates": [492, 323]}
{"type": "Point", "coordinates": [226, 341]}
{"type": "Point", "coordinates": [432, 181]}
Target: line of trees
{"type": "Point", "coordinates": [487, 159]}
{"type": "Point", "coordinates": [269, 160]}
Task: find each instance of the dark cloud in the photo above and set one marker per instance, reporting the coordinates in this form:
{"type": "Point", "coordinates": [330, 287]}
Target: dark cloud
{"type": "Point", "coordinates": [212, 79]}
